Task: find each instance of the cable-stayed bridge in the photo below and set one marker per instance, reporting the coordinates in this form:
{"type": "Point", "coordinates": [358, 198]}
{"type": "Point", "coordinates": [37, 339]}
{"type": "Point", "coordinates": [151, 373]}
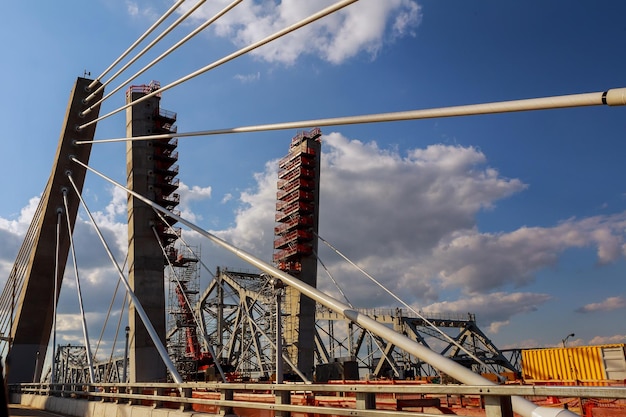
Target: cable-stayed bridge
{"type": "Point", "coordinates": [30, 298]}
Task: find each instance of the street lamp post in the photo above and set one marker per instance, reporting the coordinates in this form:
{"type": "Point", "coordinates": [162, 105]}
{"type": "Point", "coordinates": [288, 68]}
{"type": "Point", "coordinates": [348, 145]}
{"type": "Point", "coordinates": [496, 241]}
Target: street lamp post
{"type": "Point", "coordinates": [567, 337]}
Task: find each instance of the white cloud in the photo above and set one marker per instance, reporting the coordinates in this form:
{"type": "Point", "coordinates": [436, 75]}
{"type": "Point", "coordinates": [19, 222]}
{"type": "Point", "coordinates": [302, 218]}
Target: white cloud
{"type": "Point", "coordinates": [364, 26]}
{"type": "Point", "coordinates": [20, 225]}
{"type": "Point", "coordinates": [493, 308]}
{"type": "Point", "coordinates": [400, 208]}
{"type": "Point", "coordinates": [189, 195]}
{"type": "Point", "coordinates": [12, 233]}
{"type": "Point", "coordinates": [137, 10]}
{"type": "Point", "coordinates": [195, 193]}
{"type": "Point", "coordinates": [132, 8]}
{"type": "Point", "coordinates": [495, 326]}
{"type": "Point", "coordinates": [410, 221]}
{"type": "Point", "coordinates": [609, 304]}
{"type": "Point", "coordinates": [254, 222]}
{"type": "Point", "coordinates": [227, 197]}
{"type": "Point", "coordinates": [248, 78]}
{"type": "Point", "coordinates": [408, 218]}
{"type": "Point", "coordinates": [608, 340]}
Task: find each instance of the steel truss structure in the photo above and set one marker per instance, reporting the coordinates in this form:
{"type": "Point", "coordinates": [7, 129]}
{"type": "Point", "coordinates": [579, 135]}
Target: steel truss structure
{"type": "Point", "coordinates": [454, 336]}
{"type": "Point", "coordinates": [71, 367]}
{"type": "Point", "coordinates": [238, 311]}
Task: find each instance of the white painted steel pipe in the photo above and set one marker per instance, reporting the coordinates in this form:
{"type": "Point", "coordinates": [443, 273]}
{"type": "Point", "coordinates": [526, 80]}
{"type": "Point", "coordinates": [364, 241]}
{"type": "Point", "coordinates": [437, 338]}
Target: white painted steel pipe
{"type": "Point", "coordinates": [138, 307]}
{"type": "Point", "coordinates": [612, 97]}
{"type": "Point", "coordinates": [139, 55]}
{"type": "Point", "coordinates": [520, 405]}
{"type": "Point", "coordinates": [92, 377]}
{"type": "Point", "coordinates": [137, 42]}
{"type": "Point", "coordinates": [323, 13]}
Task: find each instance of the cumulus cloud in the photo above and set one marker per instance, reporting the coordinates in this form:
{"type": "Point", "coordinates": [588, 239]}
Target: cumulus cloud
{"type": "Point", "coordinates": [610, 304]}
{"type": "Point", "coordinates": [410, 221]}
{"type": "Point", "coordinates": [400, 208]}
{"type": "Point", "coordinates": [254, 221]}
{"type": "Point", "coordinates": [189, 195]}
{"type": "Point", "coordinates": [364, 26]}
{"type": "Point", "coordinates": [608, 340]}
{"type": "Point", "coordinates": [12, 231]}
{"type": "Point", "coordinates": [481, 261]}
{"type": "Point", "coordinates": [408, 218]}
{"type": "Point", "coordinates": [494, 308]}
{"type": "Point", "coordinates": [20, 224]}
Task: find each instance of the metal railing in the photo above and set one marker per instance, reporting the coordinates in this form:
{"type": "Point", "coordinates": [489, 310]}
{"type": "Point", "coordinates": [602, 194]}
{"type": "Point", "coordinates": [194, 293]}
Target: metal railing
{"type": "Point", "coordinates": [364, 399]}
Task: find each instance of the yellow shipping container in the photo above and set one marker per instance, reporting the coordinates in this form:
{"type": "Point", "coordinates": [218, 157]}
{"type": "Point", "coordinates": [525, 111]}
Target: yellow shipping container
{"type": "Point", "coordinates": [586, 364]}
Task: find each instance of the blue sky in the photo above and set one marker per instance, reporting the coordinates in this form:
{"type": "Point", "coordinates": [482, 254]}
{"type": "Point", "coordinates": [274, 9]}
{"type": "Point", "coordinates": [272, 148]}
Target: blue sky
{"type": "Point", "coordinates": [519, 218]}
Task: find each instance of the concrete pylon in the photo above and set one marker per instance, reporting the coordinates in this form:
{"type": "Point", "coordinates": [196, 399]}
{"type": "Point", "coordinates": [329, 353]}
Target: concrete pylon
{"type": "Point", "coordinates": [33, 275]}
{"type": "Point", "coordinates": [145, 256]}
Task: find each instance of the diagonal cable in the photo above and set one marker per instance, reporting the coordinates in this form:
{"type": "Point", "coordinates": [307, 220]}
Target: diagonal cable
{"type": "Point", "coordinates": [117, 332]}
{"type": "Point", "coordinates": [398, 299]}
{"type": "Point", "coordinates": [180, 286]}
{"type": "Point", "coordinates": [138, 307]}
{"type": "Point", "coordinates": [325, 12]}
{"type": "Point", "coordinates": [343, 294]}
{"type": "Point", "coordinates": [108, 315]}
{"type": "Point", "coordinates": [80, 294]}
{"type": "Point", "coordinates": [137, 42]}
{"type": "Point", "coordinates": [612, 97]}
{"type": "Point", "coordinates": [382, 351]}
{"type": "Point", "coordinates": [140, 54]}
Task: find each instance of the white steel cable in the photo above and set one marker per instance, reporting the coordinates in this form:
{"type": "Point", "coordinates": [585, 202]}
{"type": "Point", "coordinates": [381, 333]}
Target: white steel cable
{"type": "Point", "coordinates": [169, 263]}
{"type": "Point", "coordinates": [117, 332]}
{"type": "Point", "coordinates": [108, 315]}
{"type": "Point", "coordinates": [138, 307]}
{"type": "Point", "coordinates": [80, 294]}
{"type": "Point", "coordinates": [520, 405]}
{"type": "Point", "coordinates": [182, 291]}
{"type": "Point", "coordinates": [14, 286]}
{"type": "Point", "coordinates": [206, 268]}
{"type": "Point", "coordinates": [205, 337]}
{"type": "Point", "coordinates": [137, 42]}
{"type": "Point", "coordinates": [612, 97]}
{"type": "Point", "coordinates": [379, 347]}
{"type": "Point", "coordinates": [343, 294]}
{"type": "Point", "coordinates": [139, 55]}
{"type": "Point", "coordinates": [325, 12]}
{"type": "Point", "coordinates": [398, 299]}
{"type": "Point", "coordinates": [178, 283]}
{"type": "Point", "coordinates": [285, 357]}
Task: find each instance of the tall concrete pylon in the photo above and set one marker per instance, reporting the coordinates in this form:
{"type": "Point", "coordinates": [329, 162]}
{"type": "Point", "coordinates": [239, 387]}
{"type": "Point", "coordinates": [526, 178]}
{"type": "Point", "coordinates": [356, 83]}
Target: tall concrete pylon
{"type": "Point", "coordinates": [296, 242]}
{"type": "Point", "coordinates": [150, 172]}
{"type": "Point", "coordinates": [33, 275]}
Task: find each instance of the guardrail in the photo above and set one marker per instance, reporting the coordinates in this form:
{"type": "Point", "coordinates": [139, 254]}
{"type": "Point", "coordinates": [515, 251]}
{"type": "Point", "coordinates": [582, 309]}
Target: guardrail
{"type": "Point", "coordinates": [366, 399]}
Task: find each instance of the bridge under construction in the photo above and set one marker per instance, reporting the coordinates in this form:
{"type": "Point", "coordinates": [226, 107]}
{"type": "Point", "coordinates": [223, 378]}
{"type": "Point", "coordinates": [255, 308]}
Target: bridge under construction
{"type": "Point", "coordinates": [269, 325]}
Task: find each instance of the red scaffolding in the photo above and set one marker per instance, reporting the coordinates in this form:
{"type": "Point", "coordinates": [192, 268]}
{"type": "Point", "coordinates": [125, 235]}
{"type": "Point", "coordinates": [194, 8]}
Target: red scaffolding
{"type": "Point", "coordinates": [295, 204]}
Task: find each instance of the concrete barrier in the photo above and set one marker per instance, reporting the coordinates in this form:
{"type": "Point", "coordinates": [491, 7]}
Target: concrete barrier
{"type": "Point", "coordinates": [84, 408]}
